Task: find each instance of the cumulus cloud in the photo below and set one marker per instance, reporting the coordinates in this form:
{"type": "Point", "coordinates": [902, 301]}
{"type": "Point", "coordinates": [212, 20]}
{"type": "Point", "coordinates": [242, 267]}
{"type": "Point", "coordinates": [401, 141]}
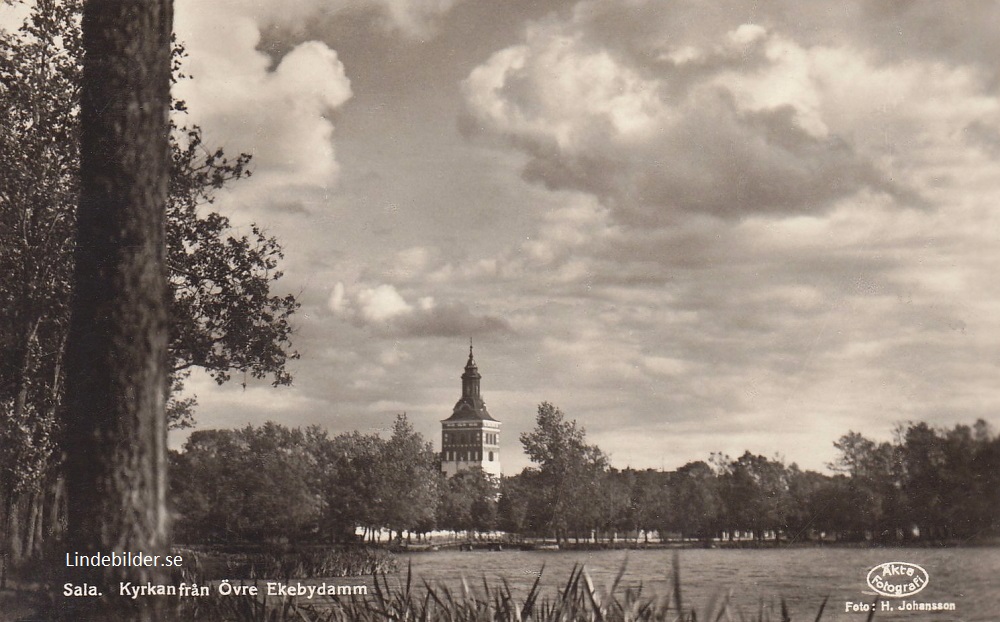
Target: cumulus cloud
{"type": "Point", "coordinates": [381, 303]}
{"type": "Point", "coordinates": [746, 121]}
{"type": "Point", "coordinates": [280, 110]}
{"type": "Point", "coordinates": [383, 309]}
{"type": "Point", "coordinates": [279, 114]}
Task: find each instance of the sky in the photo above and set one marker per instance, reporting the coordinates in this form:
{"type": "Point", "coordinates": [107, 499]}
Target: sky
{"type": "Point", "coordinates": [694, 227]}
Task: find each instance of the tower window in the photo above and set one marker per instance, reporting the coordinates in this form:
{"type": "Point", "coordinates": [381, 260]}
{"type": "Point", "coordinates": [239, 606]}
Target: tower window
{"type": "Point", "coordinates": [491, 456]}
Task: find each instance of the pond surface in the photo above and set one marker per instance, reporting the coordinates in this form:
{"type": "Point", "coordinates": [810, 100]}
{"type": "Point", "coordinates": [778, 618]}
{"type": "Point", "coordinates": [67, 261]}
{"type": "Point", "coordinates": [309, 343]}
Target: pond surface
{"type": "Point", "coordinates": [967, 577]}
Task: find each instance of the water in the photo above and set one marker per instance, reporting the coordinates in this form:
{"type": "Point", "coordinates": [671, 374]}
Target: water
{"type": "Point", "coordinates": [967, 577]}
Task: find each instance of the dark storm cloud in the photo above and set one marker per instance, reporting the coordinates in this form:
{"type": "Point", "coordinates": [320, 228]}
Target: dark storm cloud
{"type": "Point", "coordinates": [449, 320]}
{"type": "Point", "coordinates": [730, 127]}
{"type": "Point", "coordinates": [721, 161]}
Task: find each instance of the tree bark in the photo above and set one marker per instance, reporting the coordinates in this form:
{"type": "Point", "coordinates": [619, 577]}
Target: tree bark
{"type": "Point", "coordinates": [14, 528]}
{"type": "Point", "coordinates": [116, 362]}
{"type": "Point", "coordinates": [29, 536]}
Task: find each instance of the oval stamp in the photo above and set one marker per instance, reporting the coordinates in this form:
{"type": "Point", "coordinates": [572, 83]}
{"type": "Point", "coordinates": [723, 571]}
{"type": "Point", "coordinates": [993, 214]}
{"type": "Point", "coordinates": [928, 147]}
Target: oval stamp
{"type": "Point", "coordinates": [897, 579]}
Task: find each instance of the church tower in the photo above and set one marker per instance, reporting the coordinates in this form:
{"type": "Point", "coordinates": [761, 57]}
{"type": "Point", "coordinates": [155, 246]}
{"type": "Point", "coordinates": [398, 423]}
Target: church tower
{"type": "Point", "coordinates": [470, 437]}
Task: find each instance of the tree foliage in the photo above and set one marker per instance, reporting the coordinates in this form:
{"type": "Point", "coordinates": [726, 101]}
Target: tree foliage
{"type": "Point", "coordinates": [569, 469]}
{"type": "Point", "coordinates": [468, 501]}
{"type": "Point", "coordinates": [364, 481]}
{"type": "Point", "coordinates": [409, 482]}
{"type": "Point", "coordinates": [39, 91]}
{"type": "Point", "coordinates": [247, 484]}
{"type": "Point", "coordinates": [350, 488]}
{"type": "Point", "coordinates": [272, 482]}
{"type": "Point", "coordinates": [223, 316]}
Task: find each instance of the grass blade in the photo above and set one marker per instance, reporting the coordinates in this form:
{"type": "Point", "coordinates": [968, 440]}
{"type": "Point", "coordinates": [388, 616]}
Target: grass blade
{"type": "Point", "coordinates": [819, 614]}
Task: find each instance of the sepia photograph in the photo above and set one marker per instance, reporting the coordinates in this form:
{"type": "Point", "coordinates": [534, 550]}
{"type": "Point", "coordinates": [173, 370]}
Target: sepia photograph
{"type": "Point", "coordinates": [507, 310]}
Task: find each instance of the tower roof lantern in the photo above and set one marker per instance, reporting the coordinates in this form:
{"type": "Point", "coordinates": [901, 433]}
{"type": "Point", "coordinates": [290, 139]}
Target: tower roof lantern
{"type": "Point", "coordinates": [470, 406]}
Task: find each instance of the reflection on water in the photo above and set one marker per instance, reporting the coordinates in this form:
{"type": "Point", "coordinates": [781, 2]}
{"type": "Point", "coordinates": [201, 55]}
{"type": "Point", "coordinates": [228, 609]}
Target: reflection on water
{"type": "Point", "coordinates": [968, 577]}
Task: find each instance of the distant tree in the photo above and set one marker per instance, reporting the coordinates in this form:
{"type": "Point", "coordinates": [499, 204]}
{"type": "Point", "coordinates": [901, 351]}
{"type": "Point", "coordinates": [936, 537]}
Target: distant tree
{"type": "Point", "coordinates": [204, 478]}
{"type": "Point", "coordinates": [514, 501]}
{"type": "Point", "coordinates": [351, 489]}
{"type": "Point", "coordinates": [800, 519]}
{"type": "Point", "coordinates": [697, 502]}
{"type": "Point", "coordinates": [964, 498]}
{"type": "Point", "coordinates": [275, 483]}
{"type": "Point", "coordinates": [468, 501]}
{"type": "Point", "coordinates": [569, 472]}
{"type": "Point", "coordinates": [948, 478]}
{"type": "Point", "coordinates": [924, 465]}
{"type": "Point", "coordinates": [278, 485]}
{"type": "Point", "coordinates": [834, 510]}
{"type": "Point", "coordinates": [617, 507]}
{"type": "Point", "coordinates": [974, 480]}
{"type": "Point", "coordinates": [636, 501]}
{"type": "Point", "coordinates": [874, 485]}
{"type": "Point", "coordinates": [408, 480]}
{"type": "Point", "coordinates": [249, 485]}
{"type": "Point", "coordinates": [754, 493]}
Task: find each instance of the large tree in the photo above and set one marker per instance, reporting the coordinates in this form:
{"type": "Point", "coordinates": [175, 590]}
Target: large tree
{"type": "Point", "coordinates": [570, 473]}
{"type": "Point", "coordinates": [222, 315]}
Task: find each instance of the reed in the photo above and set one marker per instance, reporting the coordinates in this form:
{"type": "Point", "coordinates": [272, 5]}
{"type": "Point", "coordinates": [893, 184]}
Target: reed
{"type": "Point", "coordinates": [577, 600]}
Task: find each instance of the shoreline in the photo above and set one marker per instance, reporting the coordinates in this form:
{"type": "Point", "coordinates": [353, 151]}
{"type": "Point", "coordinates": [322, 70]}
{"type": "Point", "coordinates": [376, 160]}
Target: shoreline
{"type": "Point", "coordinates": [543, 546]}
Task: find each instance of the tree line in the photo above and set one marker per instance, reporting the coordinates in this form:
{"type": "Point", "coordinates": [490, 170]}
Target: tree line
{"type": "Point", "coordinates": [272, 482]}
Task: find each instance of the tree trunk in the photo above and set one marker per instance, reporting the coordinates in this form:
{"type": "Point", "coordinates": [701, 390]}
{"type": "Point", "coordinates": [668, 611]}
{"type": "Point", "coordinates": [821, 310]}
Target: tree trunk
{"type": "Point", "coordinates": [116, 361]}
{"type": "Point", "coordinates": [29, 534]}
{"type": "Point", "coordinates": [56, 510]}
{"type": "Point", "coordinates": [39, 537]}
{"type": "Point", "coordinates": [14, 528]}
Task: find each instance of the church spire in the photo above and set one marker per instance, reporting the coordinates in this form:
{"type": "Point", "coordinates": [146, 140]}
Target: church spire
{"type": "Point", "coordinates": [471, 406]}
{"type": "Point", "coordinates": [471, 377]}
